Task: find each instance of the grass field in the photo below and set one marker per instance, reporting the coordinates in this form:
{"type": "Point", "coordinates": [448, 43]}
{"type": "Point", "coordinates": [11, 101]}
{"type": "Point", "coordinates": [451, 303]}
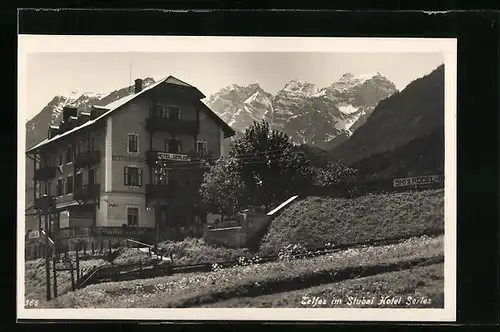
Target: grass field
{"type": "Point", "coordinates": [316, 221]}
{"type": "Point", "coordinates": [35, 278]}
{"type": "Point", "coordinates": [420, 287]}
{"type": "Point", "coordinates": [195, 289]}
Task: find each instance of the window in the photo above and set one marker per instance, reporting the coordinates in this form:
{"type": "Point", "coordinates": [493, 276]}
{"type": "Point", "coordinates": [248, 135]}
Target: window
{"type": "Point", "coordinates": [69, 154]}
{"type": "Point", "coordinates": [61, 161]}
{"type": "Point", "coordinates": [173, 145]}
{"type": "Point", "coordinates": [158, 110]}
{"type": "Point", "coordinates": [132, 216]}
{"type": "Point", "coordinates": [174, 112]}
{"type": "Point", "coordinates": [93, 176]}
{"type": "Point", "coordinates": [133, 146]}
{"type": "Point", "coordinates": [69, 184]}
{"type": "Point", "coordinates": [201, 147]}
{"type": "Point", "coordinates": [47, 188]}
{"type": "Point", "coordinates": [133, 176]}
{"type": "Point", "coordinates": [79, 181]}
{"type": "Point", "coordinates": [60, 187]}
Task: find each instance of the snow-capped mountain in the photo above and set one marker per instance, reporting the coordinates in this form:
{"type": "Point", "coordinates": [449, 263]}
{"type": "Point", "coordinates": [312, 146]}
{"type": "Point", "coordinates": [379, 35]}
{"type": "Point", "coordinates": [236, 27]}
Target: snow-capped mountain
{"type": "Point", "coordinates": [239, 106]}
{"type": "Point", "coordinates": [323, 117]}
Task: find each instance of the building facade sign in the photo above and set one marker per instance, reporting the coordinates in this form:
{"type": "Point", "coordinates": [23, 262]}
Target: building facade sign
{"type": "Point", "coordinates": [33, 235]}
{"type": "Point", "coordinates": [163, 156]}
{"type": "Point", "coordinates": [418, 180]}
{"type": "Point", "coordinates": [128, 158]}
{"type": "Point", "coordinates": [64, 219]}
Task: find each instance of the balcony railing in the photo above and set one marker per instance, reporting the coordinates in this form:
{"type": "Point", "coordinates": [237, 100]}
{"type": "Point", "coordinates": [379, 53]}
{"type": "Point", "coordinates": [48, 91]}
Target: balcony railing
{"type": "Point", "coordinates": [172, 126]}
{"type": "Point", "coordinates": [45, 173]}
{"type": "Point", "coordinates": [105, 231]}
{"type": "Point", "coordinates": [45, 203]}
{"type": "Point", "coordinates": [87, 192]}
{"type": "Point", "coordinates": [88, 158]}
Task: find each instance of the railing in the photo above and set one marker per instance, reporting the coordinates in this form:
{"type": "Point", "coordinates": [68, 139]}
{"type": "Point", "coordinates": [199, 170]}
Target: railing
{"type": "Point", "coordinates": [45, 173]}
{"type": "Point", "coordinates": [87, 158]}
{"type": "Point", "coordinates": [88, 191]}
{"type": "Point", "coordinates": [225, 224]}
{"type": "Point", "coordinates": [173, 126]}
{"type": "Point", "coordinates": [104, 231]}
{"type": "Point", "coordinates": [179, 233]}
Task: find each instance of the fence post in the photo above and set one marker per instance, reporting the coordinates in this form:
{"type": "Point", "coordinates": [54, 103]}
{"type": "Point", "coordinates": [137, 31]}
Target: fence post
{"type": "Point", "coordinates": [77, 268]}
{"type": "Point", "coordinates": [92, 248]}
{"type": "Point", "coordinates": [55, 275]}
{"type": "Point", "coordinates": [72, 270]}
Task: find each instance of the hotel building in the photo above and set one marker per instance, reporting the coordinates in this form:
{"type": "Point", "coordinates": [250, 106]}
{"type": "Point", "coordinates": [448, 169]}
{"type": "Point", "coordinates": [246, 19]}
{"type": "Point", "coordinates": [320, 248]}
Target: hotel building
{"type": "Point", "coordinates": [130, 167]}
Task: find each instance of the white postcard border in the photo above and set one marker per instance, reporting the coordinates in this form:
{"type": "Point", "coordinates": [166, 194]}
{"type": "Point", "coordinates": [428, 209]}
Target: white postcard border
{"type": "Point", "coordinates": [447, 46]}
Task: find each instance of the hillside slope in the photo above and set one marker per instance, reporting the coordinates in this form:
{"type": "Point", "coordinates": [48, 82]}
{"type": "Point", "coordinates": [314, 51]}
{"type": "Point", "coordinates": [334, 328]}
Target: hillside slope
{"type": "Point", "coordinates": [316, 221]}
{"type": "Point", "coordinates": [416, 112]}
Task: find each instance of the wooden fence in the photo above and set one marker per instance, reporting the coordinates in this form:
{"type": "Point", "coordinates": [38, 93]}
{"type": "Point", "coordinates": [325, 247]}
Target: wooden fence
{"type": "Point", "coordinates": [157, 269]}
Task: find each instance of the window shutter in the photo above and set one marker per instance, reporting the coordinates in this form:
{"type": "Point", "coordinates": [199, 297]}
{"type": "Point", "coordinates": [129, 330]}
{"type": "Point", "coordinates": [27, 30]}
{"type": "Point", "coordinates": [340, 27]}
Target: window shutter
{"type": "Point", "coordinates": [139, 173]}
{"type": "Point", "coordinates": [125, 173]}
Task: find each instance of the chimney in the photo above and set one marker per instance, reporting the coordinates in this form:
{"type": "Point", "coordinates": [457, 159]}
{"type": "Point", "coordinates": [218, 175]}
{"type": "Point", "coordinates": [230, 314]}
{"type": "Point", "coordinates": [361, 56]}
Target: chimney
{"type": "Point", "coordinates": [138, 85]}
{"type": "Point", "coordinates": [68, 112]}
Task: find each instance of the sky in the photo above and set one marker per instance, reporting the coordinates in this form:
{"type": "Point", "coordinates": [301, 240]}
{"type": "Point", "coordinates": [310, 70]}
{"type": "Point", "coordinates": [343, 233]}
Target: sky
{"type": "Point", "coordinates": [51, 74]}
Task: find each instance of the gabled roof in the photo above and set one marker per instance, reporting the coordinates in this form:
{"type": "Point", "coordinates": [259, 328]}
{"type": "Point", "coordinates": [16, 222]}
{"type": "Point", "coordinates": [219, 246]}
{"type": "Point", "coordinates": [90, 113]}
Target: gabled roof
{"type": "Point", "coordinates": [117, 104]}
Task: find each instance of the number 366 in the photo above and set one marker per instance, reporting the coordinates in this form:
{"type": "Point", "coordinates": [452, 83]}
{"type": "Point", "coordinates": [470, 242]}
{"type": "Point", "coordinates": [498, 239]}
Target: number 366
{"type": "Point", "coordinates": [31, 303]}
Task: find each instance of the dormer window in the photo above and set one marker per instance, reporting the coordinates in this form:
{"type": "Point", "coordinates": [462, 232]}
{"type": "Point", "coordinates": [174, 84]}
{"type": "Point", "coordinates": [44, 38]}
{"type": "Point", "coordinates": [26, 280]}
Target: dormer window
{"type": "Point", "coordinates": [167, 112]}
{"type": "Point", "coordinates": [174, 112]}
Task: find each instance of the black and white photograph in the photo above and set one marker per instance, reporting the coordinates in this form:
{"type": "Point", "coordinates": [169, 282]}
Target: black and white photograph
{"type": "Point", "coordinates": [260, 178]}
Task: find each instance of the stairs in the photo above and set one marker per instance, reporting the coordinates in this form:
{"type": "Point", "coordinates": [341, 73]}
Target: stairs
{"type": "Point", "coordinates": [148, 248]}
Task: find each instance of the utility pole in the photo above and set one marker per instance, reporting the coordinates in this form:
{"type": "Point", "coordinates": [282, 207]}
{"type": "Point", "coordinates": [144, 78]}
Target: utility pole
{"type": "Point", "coordinates": [47, 253]}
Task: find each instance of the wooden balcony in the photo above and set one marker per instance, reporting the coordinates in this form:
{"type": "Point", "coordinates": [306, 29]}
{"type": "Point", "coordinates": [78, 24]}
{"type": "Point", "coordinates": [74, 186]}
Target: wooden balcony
{"type": "Point", "coordinates": [87, 192]}
{"type": "Point", "coordinates": [87, 159]}
{"type": "Point", "coordinates": [45, 203]}
{"type": "Point", "coordinates": [172, 126]}
{"type": "Point", "coordinates": [45, 173]}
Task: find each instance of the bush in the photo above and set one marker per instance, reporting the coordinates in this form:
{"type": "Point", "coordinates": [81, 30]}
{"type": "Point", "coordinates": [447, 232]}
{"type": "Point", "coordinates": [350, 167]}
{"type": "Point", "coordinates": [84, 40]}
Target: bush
{"type": "Point", "coordinates": [195, 251]}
